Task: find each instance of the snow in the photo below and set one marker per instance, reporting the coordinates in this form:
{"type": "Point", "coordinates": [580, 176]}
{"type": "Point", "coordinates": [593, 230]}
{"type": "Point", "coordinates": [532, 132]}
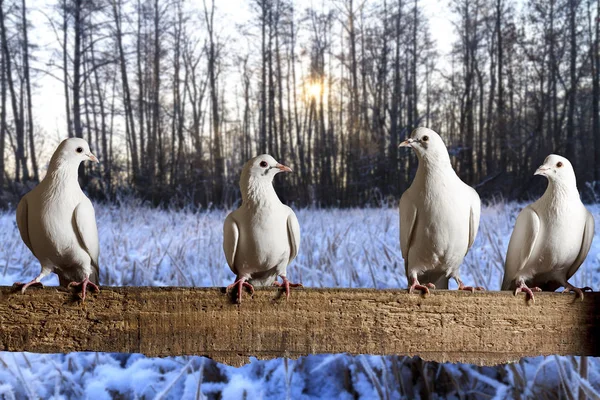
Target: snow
{"type": "Point", "coordinates": [143, 246]}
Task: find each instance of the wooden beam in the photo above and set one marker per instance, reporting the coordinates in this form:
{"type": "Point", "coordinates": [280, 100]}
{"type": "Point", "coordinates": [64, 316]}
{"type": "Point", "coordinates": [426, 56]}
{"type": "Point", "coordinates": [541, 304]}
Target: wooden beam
{"type": "Point", "coordinates": [481, 328]}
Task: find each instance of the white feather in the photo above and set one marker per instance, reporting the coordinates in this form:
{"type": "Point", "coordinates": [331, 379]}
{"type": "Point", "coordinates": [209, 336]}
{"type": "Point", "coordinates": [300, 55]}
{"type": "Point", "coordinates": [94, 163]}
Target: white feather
{"type": "Point", "coordinates": [57, 221]}
{"type": "Point", "coordinates": [261, 237]}
{"type": "Point", "coordinates": [439, 215]}
{"type": "Point", "coordinates": [231, 235]}
{"type": "Point", "coordinates": [552, 236]}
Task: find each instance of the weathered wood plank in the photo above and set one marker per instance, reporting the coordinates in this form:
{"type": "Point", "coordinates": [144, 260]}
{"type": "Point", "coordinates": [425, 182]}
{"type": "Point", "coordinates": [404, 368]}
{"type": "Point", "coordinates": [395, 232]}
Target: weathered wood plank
{"type": "Point", "coordinates": [481, 328]}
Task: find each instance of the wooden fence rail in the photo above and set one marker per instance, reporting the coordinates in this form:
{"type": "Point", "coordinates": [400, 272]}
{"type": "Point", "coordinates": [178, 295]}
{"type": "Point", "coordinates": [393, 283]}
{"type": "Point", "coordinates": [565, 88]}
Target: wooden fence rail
{"type": "Point", "coordinates": [482, 328]}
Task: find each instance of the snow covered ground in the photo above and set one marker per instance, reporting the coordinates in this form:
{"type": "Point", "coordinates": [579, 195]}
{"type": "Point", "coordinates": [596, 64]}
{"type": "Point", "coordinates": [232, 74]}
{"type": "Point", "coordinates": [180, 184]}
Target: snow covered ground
{"type": "Point", "coordinates": [144, 246]}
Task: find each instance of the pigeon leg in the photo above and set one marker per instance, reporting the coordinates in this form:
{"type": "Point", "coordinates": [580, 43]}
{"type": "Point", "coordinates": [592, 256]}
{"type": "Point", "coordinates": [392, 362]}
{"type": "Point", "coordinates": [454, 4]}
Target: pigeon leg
{"type": "Point", "coordinates": [84, 283]}
{"type": "Point", "coordinates": [35, 282]}
{"type": "Point", "coordinates": [528, 291]}
{"type": "Point", "coordinates": [472, 289]}
{"type": "Point", "coordinates": [240, 283]}
{"type": "Point", "coordinates": [287, 285]}
{"type": "Point", "coordinates": [416, 285]}
{"type": "Point", "coordinates": [578, 291]}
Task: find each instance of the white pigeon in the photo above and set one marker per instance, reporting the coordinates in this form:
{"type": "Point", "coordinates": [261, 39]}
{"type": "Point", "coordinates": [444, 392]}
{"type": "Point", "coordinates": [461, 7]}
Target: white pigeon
{"type": "Point", "coordinates": [551, 237]}
{"type": "Point", "coordinates": [262, 237]}
{"type": "Point", "coordinates": [439, 217]}
{"type": "Point", "coordinates": [57, 221]}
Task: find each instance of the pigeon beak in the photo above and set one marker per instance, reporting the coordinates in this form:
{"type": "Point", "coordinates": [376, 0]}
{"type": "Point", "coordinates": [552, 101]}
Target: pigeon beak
{"type": "Point", "coordinates": [283, 168]}
{"type": "Point", "coordinates": [541, 170]}
{"type": "Point", "coordinates": [93, 158]}
{"type": "Point", "coordinates": [407, 143]}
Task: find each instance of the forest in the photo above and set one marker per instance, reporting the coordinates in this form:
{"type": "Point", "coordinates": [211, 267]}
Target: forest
{"type": "Point", "coordinates": [173, 97]}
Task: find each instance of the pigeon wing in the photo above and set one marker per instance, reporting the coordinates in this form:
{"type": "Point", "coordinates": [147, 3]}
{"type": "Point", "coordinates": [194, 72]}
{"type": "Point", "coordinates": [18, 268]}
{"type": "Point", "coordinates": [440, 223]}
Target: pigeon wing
{"type": "Point", "coordinates": [408, 218]}
{"type": "Point", "coordinates": [84, 223]}
{"type": "Point", "coordinates": [231, 235]}
{"type": "Point", "coordinates": [293, 229]}
{"type": "Point", "coordinates": [586, 243]}
{"type": "Point", "coordinates": [520, 247]}
{"type": "Point", "coordinates": [22, 222]}
{"type": "Point", "coordinates": [474, 218]}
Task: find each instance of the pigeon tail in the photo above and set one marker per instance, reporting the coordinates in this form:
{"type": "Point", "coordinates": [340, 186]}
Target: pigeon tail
{"type": "Point", "coordinates": [264, 280]}
{"type": "Point", "coordinates": [442, 282]}
{"type": "Point", "coordinates": [439, 279]}
{"type": "Point", "coordinates": [64, 279]}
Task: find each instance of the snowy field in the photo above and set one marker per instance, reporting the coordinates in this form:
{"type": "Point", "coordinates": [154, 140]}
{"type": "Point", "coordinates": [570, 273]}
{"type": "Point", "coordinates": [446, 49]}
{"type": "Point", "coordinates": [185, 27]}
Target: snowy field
{"type": "Point", "coordinates": [141, 246]}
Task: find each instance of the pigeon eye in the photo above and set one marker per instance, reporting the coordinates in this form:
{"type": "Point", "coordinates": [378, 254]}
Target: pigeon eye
{"type": "Point", "coordinates": [559, 164]}
{"type": "Point", "coordinates": [263, 164]}
{"type": "Point", "coordinates": [425, 138]}
{"type": "Point", "coordinates": [79, 150]}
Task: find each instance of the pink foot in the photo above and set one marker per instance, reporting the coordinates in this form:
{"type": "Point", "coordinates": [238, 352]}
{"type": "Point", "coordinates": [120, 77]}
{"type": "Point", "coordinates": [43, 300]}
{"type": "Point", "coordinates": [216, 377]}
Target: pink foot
{"type": "Point", "coordinates": [24, 286]}
{"type": "Point", "coordinates": [529, 292]}
{"type": "Point", "coordinates": [424, 288]}
{"type": "Point", "coordinates": [84, 283]}
{"type": "Point", "coordinates": [287, 285]}
{"type": "Point", "coordinates": [578, 291]}
{"type": "Point", "coordinates": [240, 284]}
{"type": "Point", "coordinates": [472, 289]}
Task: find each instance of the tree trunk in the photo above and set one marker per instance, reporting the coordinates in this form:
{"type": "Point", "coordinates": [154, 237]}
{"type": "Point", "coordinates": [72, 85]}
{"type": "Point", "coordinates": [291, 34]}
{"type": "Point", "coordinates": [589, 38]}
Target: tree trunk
{"type": "Point", "coordinates": [21, 171]}
{"type": "Point", "coordinates": [32, 155]}
{"type": "Point", "coordinates": [129, 118]}
{"type": "Point", "coordinates": [78, 32]}
{"type": "Point", "coordinates": [2, 112]}
{"type": "Point", "coordinates": [217, 148]}
{"type": "Point", "coordinates": [65, 68]}
{"type": "Point", "coordinates": [595, 48]}
{"type": "Point", "coordinates": [570, 144]}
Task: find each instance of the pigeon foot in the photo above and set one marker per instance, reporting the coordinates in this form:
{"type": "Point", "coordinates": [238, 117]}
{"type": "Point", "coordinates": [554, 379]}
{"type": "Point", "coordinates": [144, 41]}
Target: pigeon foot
{"type": "Point", "coordinates": [84, 284]}
{"type": "Point", "coordinates": [528, 291]}
{"type": "Point", "coordinates": [240, 284]}
{"type": "Point", "coordinates": [578, 291]}
{"type": "Point", "coordinates": [24, 286]}
{"type": "Point", "coordinates": [472, 289]}
{"type": "Point", "coordinates": [287, 285]}
{"type": "Point", "coordinates": [417, 286]}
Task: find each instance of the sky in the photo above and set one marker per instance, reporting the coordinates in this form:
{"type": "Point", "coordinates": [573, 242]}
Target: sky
{"type": "Point", "coordinates": [49, 101]}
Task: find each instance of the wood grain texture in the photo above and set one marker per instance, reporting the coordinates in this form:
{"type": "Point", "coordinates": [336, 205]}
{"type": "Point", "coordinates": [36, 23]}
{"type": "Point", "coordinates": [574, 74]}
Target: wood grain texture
{"type": "Point", "coordinates": [447, 326]}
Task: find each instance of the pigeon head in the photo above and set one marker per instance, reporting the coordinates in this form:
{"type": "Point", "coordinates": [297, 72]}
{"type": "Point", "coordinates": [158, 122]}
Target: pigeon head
{"type": "Point", "coordinates": [72, 151]}
{"type": "Point", "coordinates": [256, 181]}
{"type": "Point", "coordinates": [557, 169]}
{"type": "Point", "coordinates": [426, 143]}
{"type": "Point", "coordinates": [263, 167]}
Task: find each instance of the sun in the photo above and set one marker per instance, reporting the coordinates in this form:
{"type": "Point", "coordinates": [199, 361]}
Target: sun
{"type": "Point", "coordinates": [314, 90]}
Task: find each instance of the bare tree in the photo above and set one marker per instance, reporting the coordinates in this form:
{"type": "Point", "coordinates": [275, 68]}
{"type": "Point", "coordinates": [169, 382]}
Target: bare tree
{"type": "Point", "coordinates": [212, 60]}
{"type": "Point", "coordinates": [26, 74]}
